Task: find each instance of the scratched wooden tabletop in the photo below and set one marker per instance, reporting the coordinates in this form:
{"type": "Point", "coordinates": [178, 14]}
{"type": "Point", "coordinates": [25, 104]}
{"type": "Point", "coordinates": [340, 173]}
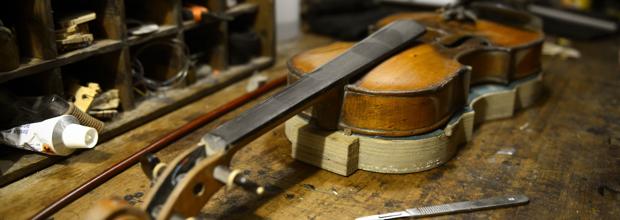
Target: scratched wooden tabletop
{"type": "Point", "coordinates": [563, 153]}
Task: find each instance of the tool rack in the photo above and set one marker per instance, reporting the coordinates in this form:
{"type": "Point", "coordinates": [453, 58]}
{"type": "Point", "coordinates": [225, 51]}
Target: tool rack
{"type": "Point", "coordinates": [44, 70]}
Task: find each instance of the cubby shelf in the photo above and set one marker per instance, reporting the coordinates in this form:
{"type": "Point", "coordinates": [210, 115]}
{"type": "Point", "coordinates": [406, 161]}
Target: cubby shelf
{"type": "Point", "coordinates": [108, 59]}
{"type": "Point", "coordinates": [37, 65]}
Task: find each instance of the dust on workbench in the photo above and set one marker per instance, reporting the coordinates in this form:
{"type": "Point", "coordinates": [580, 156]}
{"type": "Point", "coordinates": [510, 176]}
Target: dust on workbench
{"type": "Point", "coordinates": [563, 153]}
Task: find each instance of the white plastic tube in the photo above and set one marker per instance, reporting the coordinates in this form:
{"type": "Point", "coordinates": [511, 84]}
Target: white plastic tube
{"type": "Point", "coordinates": [55, 136]}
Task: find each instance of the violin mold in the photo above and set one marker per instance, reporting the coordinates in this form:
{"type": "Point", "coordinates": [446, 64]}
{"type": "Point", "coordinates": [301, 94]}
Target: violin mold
{"type": "Point", "coordinates": [344, 153]}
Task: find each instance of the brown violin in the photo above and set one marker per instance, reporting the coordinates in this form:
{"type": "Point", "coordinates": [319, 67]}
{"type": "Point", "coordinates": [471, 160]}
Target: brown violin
{"type": "Point", "coordinates": [183, 187]}
{"type": "Point", "coordinates": [419, 89]}
{"type": "Point", "coordinates": [402, 80]}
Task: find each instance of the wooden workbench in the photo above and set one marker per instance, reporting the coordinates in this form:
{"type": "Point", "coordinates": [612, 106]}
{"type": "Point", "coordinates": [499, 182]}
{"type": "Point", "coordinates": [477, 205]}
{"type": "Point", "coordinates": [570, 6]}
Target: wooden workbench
{"type": "Point", "coordinates": [564, 153]}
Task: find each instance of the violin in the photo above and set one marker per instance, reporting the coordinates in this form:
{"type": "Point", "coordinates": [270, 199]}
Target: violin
{"type": "Point", "coordinates": [419, 89]}
{"type": "Point", "coordinates": [402, 80]}
{"type": "Point", "coordinates": [186, 183]}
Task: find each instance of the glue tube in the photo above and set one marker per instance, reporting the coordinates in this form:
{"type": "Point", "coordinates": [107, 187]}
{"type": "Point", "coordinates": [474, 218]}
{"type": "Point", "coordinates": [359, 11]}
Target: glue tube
{"type": "Point", "coordinates": [25, 110]}
{"type": "Point", "coordinates": [55, 136]}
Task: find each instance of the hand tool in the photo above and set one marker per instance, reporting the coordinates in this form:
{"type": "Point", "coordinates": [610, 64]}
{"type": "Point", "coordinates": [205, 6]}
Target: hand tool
{"type": "Point", "coordinates": [466, 206]}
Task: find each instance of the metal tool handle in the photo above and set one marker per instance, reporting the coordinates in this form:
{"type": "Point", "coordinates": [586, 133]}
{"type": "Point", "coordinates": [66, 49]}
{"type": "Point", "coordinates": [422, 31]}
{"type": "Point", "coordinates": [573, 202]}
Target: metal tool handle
{"type": "Point", "coordinates": [466, 206]}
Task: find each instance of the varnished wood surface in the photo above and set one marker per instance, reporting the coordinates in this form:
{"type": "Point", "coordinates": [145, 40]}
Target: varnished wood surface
{"type": "Point", "coordinates": [504, 51]}
{"type": "Point", "coordinates": [420, 67]}
{"type": "Point", "coordinates": [309, 60]}
{"type": "Point", "coordinates": [498, 34]}
{"type": "Point", "coordinates": [566, 159]}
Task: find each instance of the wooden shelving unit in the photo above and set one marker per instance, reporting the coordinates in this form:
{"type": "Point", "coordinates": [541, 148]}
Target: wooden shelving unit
{"type": "Point", "coordinates": [44, 71]}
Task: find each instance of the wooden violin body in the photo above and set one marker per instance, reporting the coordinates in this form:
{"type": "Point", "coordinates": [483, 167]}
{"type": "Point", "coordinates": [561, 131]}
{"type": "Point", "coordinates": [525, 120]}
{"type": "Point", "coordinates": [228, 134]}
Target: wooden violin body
{"type": "Point", "coordinates": [403, 96]}
{"type": "Point", "coordinates": [419, 89]}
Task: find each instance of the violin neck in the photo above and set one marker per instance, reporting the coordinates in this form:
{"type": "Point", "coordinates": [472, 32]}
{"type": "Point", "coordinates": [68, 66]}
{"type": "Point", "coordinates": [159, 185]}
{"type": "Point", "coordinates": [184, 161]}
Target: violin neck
{"type": "Point", "coordinates": [306, 91]}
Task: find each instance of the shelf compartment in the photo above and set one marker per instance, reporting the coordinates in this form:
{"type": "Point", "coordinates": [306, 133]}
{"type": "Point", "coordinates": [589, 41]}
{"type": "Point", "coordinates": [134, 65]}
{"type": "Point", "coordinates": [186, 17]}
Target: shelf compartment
{"type": "Point", "coordinates": [160, 59]}
{"type": "Point", "coordinates": [264, 25]}
{"type": "Point", "coordinates": [107, 24]}
{"type": "Point", "coordinates": [32, 26]}
{"type": "Point", "coordinates": [209, 44]}
{"type": "Point", "coordinates": [160, 12]}
{"type": "Point", "coordinates": [110, 72]}
{"type": "Point", "coordinates": [33, 66]}
{"type": "Point", "coordinates": [104, 73]}
{"type": "Point", "coordinates": [43, 83]}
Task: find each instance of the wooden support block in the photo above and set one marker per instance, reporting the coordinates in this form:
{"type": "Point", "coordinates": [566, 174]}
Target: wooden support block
{"type": "Point", "coordinates": [332, 151]}
{"type": "Point", "coordinates": [493, 101]}
{"type": "Point", "coordinates": [344, 154]}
